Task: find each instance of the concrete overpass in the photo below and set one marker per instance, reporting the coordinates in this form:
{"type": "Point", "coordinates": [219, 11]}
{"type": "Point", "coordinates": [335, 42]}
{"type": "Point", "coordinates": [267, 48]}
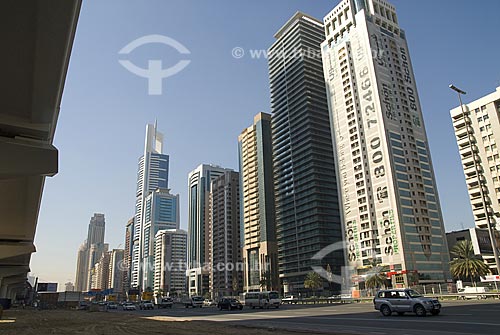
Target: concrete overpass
{"type": "Point", "coordinates": [36, 40]}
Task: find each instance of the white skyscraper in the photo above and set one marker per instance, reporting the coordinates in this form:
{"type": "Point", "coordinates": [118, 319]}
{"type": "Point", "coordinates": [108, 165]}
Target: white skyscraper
{"type": "Point", "coordinates": [390, 205]}
{"type": "Point", "coordinates": [479, 131]}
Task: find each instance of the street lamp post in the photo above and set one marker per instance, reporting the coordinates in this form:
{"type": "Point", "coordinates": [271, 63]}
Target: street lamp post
{"type": "Point", "coordinates": [479, 181]}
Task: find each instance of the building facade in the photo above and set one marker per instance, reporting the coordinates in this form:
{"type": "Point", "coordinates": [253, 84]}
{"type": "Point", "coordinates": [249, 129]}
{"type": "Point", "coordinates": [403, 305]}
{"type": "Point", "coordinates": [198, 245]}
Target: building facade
{"type": "Point", "coordinates": [199, 182]}
{"type": "Point", "coordinates": [226, 271]}
{"type": "Point", "coordinates": [478, 134]}
{"type": "Point", "coordinates": [306, 198]}
{"type": "Point", "coordinates": [390, 205]}
{"type": "Point", "coordinates": [170, 262]}
{"type": "Point", "coordinates": [257, 216]}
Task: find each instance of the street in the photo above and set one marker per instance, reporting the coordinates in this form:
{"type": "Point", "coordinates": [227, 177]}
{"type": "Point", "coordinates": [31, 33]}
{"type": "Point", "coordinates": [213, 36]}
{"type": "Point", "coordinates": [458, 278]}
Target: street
{"type": "Point", "coordinates": [458, 317]}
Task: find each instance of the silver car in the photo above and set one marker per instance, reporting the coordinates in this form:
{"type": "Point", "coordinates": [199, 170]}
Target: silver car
{"type": "Point", "coordinates": [405, 300]}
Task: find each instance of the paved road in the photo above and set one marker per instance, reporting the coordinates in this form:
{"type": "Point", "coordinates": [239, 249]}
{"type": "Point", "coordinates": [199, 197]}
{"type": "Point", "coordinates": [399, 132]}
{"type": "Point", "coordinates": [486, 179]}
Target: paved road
{"type": "Point", "coordinates": [458, 317]}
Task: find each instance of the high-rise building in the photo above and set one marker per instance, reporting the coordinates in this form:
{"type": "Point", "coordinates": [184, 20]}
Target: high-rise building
{"type": "Point", "coordinates": [226, 272]}
{"type": "Point", "coordinates": [156, 208]}
{"type": "Point", "coordinates": [257, 217]}
{"type": "Point", "coordinates": [82, 268]}
{"type": "Point", "coordinates": [306, 199]}
{"type": "Point", "coordinates": [170, 261]}
{"type": "Point", "coordinates": [390, 205]}
{"type": "Point", "coordinates": [478, 132]}
{"type": "Point", "coordinates": [199, 181]}
{"type": "Point", "coordinates": [90, 252]}
{"type": "Point", "coordinates": [116, 270]}
{"type": "Point", "coordinates": [127, 255]}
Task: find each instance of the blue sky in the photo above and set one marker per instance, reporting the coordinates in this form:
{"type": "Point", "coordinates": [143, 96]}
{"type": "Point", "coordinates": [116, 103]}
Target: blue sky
{"type": "Point", "coordinates": [105, 108]}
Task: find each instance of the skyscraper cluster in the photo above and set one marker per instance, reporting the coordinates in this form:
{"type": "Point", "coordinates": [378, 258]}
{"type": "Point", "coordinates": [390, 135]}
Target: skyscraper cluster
{"type": "Point", "coordinates": [337, 179]}
{"type": "Point", "coordinates": [155, 246]}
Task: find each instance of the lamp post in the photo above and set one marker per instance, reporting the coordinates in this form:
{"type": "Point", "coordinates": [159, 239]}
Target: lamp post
{"type": "Point", "coordinates": [479, 181]}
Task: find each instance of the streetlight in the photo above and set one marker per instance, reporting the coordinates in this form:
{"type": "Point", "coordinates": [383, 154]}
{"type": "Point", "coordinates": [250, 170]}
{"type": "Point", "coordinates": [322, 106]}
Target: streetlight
{"type": "Point", "coordinates": [479, 181]}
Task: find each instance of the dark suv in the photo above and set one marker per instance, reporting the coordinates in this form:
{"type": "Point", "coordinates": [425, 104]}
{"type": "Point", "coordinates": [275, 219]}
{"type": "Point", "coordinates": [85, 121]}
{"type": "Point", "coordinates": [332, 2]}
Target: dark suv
{"type": "Point", "coordinates": [405, 300]}
{"type": "Point", "coordinates": [229, 304]}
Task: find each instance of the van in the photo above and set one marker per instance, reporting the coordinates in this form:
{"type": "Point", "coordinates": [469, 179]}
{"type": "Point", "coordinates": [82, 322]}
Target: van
{"type": "Point", "coordinates": [265, 299]}
{"type": "Point", "coordinates": [469, 292]}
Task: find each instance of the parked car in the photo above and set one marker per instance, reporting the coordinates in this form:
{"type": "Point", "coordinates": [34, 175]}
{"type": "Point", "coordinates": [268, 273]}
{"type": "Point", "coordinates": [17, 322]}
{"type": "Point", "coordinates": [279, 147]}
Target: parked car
{"type": "Point", "coordinates": [128, 306]}
{"type": "Point", "coordinates": [112, 305]}
{"type": "Point", "coordinates": [209, 303]}
{"type": "Point", "coordinates": [405, 300]}
{"type": "Point", "coordinates": [229, 304]}
{"type": "Point", "coordinates": [146, 304]}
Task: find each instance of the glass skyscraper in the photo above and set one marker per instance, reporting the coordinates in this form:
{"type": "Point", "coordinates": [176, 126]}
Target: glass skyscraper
{"type": "Point", "coordinates": [307, 209]}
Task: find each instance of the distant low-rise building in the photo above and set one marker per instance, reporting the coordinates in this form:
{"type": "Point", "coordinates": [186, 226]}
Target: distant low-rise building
{"type": "Point", "coordinates": [479, 237]}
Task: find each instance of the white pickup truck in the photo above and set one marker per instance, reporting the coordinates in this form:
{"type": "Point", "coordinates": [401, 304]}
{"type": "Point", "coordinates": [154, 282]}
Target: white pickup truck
{"type": "Point", "coordinates": [194, 301]}
{"type": "Point", "coordinates": [469, 292]}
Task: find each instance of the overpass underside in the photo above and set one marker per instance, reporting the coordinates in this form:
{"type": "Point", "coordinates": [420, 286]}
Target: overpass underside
{"type": "Point", "coordinates": [36, 40]}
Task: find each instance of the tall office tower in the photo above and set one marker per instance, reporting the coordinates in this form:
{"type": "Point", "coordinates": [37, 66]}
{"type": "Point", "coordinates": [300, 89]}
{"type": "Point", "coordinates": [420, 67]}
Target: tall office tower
{"type": "Point", "coordinates": [390, 203]}
{"type": "Point", "coordinates": [479, 131]}
{"type": "Point", "coordinates": [170, 261]}
{"type": "Point", "coordinates": [116, 270]}
{"type": "Point", "coordinates": [258, 223]}
{"type": "Point", "coordinates": [152, 174]}
{"type": "Point", "coordinates": [81, 268]}
{"type": "Point", "coordinates": [226, 272]}
{"type": "Point", "coordinates": [307, 208]}
{"type": "Point", "coordinates": [127, 255]}
{"type": "Point", "coordinates": [199, 181]}
{"type": "Point", "coordinates": [87, 259]}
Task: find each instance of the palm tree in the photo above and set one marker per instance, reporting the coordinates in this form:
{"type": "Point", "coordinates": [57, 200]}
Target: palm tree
{"type": "Point", "coordinates": [466, 264]}
{"type": "Point", "coordinates": [375, 280]}
{"type": "Point", "coordinates": [375, 277]}
{"type": "Point", "coordinates": [313, 281]}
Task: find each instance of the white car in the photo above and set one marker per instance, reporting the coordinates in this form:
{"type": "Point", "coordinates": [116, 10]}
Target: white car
{"type": "Point", "coordinates": [209, 302]}
{"type": "Point", "coordinates": [129, 307]}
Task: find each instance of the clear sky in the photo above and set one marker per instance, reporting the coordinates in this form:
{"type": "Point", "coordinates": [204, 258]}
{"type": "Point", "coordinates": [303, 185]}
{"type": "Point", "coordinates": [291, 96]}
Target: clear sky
{"type": "Point", "coordinates": [101, 127]}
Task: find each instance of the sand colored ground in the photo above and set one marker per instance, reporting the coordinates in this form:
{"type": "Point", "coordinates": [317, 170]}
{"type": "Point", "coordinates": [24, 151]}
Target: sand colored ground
{"type": "Point", "coordinates": [65, 322]}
